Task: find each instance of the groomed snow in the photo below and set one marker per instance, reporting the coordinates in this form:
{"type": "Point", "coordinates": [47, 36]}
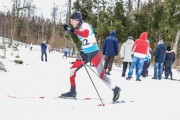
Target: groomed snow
{"type": "Point", "coordinates": [146, 100]}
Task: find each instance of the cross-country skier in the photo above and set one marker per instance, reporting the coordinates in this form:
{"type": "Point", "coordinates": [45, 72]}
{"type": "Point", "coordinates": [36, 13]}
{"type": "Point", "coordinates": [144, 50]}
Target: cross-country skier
{"type": "Point", "coordinates": [90, 53]}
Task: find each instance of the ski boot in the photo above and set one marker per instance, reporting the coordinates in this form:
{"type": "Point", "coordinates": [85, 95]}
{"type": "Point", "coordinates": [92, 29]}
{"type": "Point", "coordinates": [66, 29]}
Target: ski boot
{"type": "Point", "coordinates": [116, 92]}
{"type": "Point", "coordinates": [70, 94]}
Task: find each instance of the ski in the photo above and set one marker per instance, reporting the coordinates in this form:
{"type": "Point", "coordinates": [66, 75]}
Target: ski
{"type": "Point", "coordinates": [16, 97]}
{"type": "Point", "coordinates": [75, 98]}
{"type": "Point", "coordinates": [107, 103]}
{"type": "Point", "coordinates": [114, 102]}
{"type": "Point", "coordinates": [43, 97]}
{"type": "Point", "coordinates": [69, 98]}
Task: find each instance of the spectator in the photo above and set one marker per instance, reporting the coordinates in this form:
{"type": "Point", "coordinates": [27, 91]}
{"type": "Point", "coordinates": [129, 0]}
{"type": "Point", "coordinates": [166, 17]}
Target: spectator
{"type": "Point", "coordinates": [169, 60]}
{"type": "Point", "coordinates": [66, 52]}
{"type": "Point", "coordinates": [110, 50]}
{"type": "Point", "coordinates": [49, 49]}
{"type": "Point", "coordinates": [126, 54]}
{"type": "Point", "coordinates": [141, 49]}
{"type": "Point", "coordinates": [146, 64]}
{"type": "Point", "coordinates": [31, 46]}
{"type": "Point", "coordinates": [160, 54]}
{"type": "Point", "coordinates": [43, 51]}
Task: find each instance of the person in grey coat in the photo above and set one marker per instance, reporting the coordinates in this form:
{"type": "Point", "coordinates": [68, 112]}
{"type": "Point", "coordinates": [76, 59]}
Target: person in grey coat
{"type": "Point", "coordinates": [126, 54]}
{"type": "Point", "coordinates": [169, 60]}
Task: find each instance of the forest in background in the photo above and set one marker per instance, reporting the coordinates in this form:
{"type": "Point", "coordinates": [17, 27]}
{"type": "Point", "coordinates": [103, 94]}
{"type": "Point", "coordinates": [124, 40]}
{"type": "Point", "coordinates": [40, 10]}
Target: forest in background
{"type": "Point", "coordinates": [160, 18]}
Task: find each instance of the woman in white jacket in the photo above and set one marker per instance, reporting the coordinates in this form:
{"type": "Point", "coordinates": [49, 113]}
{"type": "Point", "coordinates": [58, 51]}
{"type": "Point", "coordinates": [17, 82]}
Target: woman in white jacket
{"type": "Point", "coordinates": [126, 54]}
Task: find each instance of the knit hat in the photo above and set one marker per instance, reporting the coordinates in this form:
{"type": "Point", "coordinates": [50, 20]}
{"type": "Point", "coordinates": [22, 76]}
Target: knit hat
{"type": "Point", "coordinates": [76, 15]}
{"type": "Point", "coordinates": [169, 48]}
{"type": "Point", "coordinates": [130, 37]}
{"type": "Point", "coordinates": [160, 42]}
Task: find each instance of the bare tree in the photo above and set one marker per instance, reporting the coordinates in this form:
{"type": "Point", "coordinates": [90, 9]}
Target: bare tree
{"type": "Point", "coordinates": [68, 18]}
{"type": "Point", "coordinates": [175, 46]}
{"type": "Point", "coordinates": [3, 28]}
{"type": "Point", "coordinates": [68, 12]}
{"type": "Point", "coordinates": [26, 14]}
{"type": "Point", "coordinates": [54, 15]}
{"type": "Point", "coordinates": [16, 10]}
{"type": "Point", "coordinates": [138, 5]}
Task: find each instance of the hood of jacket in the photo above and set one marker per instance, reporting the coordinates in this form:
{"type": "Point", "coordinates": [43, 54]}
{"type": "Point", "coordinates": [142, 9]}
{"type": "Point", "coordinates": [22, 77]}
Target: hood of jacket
{"type": "Point", "coordinates": [113, 33]}
{"type": "Point", "coordinates": [162, 46]}
{"type": "Point", "coordinates": [129, 41]}
{"type": "Point", "coordinates": [143, 36]}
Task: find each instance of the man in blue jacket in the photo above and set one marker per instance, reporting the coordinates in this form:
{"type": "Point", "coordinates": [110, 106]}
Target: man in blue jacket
{"type": "Point", "coordinates": [110, 50]}
{"type": "Point", "coordinates": [43, 51]}
{"type": "Point", "coordinates": [160, 54]}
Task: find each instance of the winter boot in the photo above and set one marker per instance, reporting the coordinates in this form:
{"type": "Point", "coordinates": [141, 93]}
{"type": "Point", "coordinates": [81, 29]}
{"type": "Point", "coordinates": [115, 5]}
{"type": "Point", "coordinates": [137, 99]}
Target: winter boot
{"type": "Point", "coordinates": [116, 92]}
{"type": "Point", "coordinates": [123, 75]}
{"type": "Point", "coordinates": [108, 73]}
{"type": "Point", "coordinates": [128, 78]}
{"type": "Point", "coordinates": [105, 71]}
{"type": "Point", "coordinates": [138, 79]}
{"type": "Point", "coordinates": [70, 94]}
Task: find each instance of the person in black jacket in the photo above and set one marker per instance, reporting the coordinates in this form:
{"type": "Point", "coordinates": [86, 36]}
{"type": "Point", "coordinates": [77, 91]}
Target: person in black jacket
{"type": "Point", "coordinates": [169, 60]}
{"type": "Point", "coordinates": [110, 50]}
{"type": "Point", "coordinates": [160, 54]}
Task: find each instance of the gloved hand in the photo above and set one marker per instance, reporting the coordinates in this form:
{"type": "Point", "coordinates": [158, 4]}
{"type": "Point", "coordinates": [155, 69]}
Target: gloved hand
{"type": "Point", "coordinates": [122, 58]}
{"type": "Point", "coordinates": [132, 55]}
{"type": "Point", "coordinates": [67, 28]}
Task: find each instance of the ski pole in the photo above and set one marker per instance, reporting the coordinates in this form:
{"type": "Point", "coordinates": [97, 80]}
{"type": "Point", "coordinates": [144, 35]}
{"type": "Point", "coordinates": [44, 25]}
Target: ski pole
{"type": "Point", "coordinates": [96, 74]}
{"type": "Point", "coordinates": [86, 69]}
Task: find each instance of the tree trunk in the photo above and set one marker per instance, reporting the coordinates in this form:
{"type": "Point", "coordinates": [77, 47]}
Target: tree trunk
{"type": "Point", "coordinates": [138, 6]}
{"type": "Point", "coordinates": [175, 46]}
{"type": "Point", "coordinates": [4, 46]}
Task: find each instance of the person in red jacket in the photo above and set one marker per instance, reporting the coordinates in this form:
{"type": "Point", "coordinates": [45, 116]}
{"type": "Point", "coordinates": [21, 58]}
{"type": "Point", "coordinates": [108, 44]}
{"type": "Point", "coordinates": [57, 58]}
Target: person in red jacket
{"type": "Point", "coordinates": [140, 50]}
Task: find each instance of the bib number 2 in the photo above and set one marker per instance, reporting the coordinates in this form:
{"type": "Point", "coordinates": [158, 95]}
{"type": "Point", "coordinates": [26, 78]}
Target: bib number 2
{"type": "Point", "coordinates": [85, 42]}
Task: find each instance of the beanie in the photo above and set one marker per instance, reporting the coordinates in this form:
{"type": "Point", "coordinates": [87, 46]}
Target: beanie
{"type": "Point", "coordinates": [160, 42]}
{"type": "Point", "coordinates": [169, 48]}
{"type": "Point", "coordinates": [130, 37]}
{"type": "Point", "coordinates": [76, 15]}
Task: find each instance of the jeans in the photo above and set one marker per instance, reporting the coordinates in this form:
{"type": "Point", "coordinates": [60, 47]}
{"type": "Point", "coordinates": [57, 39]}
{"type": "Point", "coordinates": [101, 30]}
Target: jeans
{"type": "Point", "coordinates": [44, 54]}
{"type": "Point", "coordinates": [158, 68]}
{"type": "Point", "coordinates": [139, 62]}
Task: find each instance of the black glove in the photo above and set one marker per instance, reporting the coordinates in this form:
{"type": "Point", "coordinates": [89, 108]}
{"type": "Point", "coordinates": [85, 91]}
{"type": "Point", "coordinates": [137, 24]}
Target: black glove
{"type": "Point", "coordinates": [67, 28]}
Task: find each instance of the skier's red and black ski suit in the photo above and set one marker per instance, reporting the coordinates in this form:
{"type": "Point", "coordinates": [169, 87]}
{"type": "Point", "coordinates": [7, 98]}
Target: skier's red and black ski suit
{"type": "Point", "coordinates": [89, 53]}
